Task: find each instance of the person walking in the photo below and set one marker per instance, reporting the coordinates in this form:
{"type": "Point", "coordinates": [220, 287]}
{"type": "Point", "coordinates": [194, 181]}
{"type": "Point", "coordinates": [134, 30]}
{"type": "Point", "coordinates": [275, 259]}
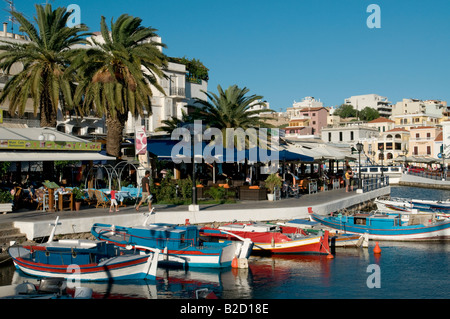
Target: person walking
{"type": "Point", "coordinates": [146, 196]}
{"type": "Point", "coordinates": [113, 200]}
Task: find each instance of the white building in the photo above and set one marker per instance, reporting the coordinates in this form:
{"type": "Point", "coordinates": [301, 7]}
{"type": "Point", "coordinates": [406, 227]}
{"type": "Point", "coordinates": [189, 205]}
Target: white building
{"type": "Point", "coordinates": [255, 106]}
{"type": "Point", "coordinates": [411, 106]}
{"type": "Point", "coordinates": [375, 101]}
{"type": "Point", "coordinates": [350, 133]}
{"type": "Point", "coordinates": [179, 91]}
{"type": "Point", "coordinates": [307, 102]}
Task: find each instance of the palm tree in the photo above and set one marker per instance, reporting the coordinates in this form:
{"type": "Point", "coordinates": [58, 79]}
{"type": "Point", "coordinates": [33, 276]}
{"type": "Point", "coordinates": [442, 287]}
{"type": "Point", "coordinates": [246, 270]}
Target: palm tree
{"type": "Point", "coordinates": [115, 75]}
{"type": "Point", "coordinates": [175, 122]}
{"type": "Point", "coordinates": [45, 59]}
{"type": "Point", "coordinates": [231, 109]}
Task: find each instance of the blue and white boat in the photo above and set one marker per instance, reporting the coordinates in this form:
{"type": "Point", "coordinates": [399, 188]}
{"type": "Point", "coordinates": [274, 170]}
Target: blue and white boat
{"type": "Point", "coordinates": [382, 226]}
{"type": "Point", "coordinates": [84, 260]}
{"type": "Point", "coordinates": [441, 208]}
{"type": "Point", "coordinates": [180, 245]}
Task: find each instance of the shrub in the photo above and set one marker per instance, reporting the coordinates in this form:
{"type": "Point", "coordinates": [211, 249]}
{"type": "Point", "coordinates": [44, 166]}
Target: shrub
{"type": "Point", "coordinates": [5, 197]}
{"type": "Point", "coordinates": [217, 193]}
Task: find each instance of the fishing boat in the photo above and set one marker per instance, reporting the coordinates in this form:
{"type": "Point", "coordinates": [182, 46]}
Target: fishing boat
{"type": "Point", "coordinates": [382, 226]}
{"type": "Point", "coordinates": [273, 239]}
{"type": "Point", "coordinates": [336, 238]}
{"type": "Point", "coordinates": [84, 260]}
{"type": "Point", "coordinates": [180, 245]}
{"type": "Point", "coordinates": [441, 208]}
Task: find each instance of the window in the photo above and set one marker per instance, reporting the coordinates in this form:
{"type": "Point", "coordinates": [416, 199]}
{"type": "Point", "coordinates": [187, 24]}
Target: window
{"type": "Point", "coordinates": [329, 136]}
{"type": "Point", "coordinates": [416, 150]}
{"type": "Point", "coordinates": [428, 150]}
{"type": "Point", "coordinates": [351, 136]}
{"type": "Point", "coordinates": [417, 135]}
{"type": "Point", "coordinates": [428, 136]}
{"type": "Point", "coordinates": [340, 136]}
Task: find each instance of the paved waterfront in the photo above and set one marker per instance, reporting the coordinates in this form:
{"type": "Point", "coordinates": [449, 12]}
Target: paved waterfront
{"type": "Point", "coordinates": [35, 223]}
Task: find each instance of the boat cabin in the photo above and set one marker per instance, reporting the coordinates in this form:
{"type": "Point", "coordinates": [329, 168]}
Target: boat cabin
{"type": "Point", "coordinates": [163, 235]}
{"type": "Point", "coordinates": [382, 220]}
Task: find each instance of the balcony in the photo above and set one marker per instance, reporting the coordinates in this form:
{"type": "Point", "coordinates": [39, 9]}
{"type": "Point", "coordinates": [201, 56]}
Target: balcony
{"type": "Point", "coordinates": [177, 92]}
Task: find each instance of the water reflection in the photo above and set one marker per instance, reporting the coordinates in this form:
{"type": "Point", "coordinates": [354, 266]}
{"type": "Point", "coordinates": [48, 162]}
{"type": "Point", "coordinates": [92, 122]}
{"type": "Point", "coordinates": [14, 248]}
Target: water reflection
{"type": "Point", "coordinates": [408, 270]}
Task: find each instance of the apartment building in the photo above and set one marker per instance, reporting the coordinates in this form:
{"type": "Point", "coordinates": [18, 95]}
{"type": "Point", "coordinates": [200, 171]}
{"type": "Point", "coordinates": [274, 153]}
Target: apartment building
{"type": "Point", "coordinates": [408, 121]}
{"type": "Point", "coordinates": [414, 106]}
{"type": "Point", "coordinates": [422, 141]}
{"type": "Point", "coordinates": [306, 102]}
{"type": "Point", "coordinates": [350, 133]}
{"type": "Point", "coordinates": [375, 101]}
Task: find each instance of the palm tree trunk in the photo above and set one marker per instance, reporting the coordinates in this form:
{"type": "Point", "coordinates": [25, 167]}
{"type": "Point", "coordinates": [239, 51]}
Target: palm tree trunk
{"type": "Point", "coordinates": [47, 112]}
{"type": "Point", "coordinates": [114, 134]}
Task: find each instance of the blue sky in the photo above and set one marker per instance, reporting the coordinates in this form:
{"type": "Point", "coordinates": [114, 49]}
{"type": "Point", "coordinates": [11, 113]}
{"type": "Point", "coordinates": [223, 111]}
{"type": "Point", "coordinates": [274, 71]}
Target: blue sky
{"type": "Point", "coordinates": [288, 49]}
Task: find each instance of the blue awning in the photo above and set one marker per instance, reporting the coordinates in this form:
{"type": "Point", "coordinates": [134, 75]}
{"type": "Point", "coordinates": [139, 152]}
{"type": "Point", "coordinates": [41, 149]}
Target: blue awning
{"type": "Point", "coordinates": [164, 150]}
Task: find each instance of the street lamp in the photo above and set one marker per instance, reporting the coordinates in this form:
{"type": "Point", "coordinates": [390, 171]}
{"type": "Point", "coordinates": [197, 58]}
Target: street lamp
{"type": "Point", "coordinates": [381, 148]}
{"type": "Point", "coordinates": [195, 130]}
{"type": "Point", "coordinates": [359, 148]}
{"type": "Point", "coordinates": [405, 154]}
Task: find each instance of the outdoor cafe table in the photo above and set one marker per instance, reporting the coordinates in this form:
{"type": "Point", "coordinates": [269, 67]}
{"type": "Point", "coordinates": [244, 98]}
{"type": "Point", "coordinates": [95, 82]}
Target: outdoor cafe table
{"type": "Point", "coordinates": [64, 197]}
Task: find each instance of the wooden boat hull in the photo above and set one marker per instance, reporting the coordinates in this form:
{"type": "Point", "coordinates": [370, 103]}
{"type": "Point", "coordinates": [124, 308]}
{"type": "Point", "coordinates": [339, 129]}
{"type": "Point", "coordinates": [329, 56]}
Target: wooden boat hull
{"type": "Point", "coordinates": [125, 267]}
{"type": "Point", "coordinates": [276, 243]}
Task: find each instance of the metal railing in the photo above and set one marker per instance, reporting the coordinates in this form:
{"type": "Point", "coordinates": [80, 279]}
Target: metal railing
{"type": "Point", "coordinates": [177, 91]}
{"type": "Point", "coordinates": [430, 175]}
{"type": "Point", "coordinates": [370, 183]}
{"type": "Point", "coordinates": [29, 123]}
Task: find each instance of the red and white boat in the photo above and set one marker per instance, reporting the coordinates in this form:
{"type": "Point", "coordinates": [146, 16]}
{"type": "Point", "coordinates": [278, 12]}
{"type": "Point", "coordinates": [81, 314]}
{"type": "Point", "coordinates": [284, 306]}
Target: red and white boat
{"type": "Point", "coordinates": [273, 239]}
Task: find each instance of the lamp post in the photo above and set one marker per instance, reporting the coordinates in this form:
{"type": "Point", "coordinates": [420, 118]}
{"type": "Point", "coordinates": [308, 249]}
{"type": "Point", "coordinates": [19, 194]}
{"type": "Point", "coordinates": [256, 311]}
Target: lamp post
{"type": "Point", "coordinates": [195, 129]}
{"type": "Point", "coordinates": [381, 148]}
{"type": "Point", "coordinates": [359, 148]}
{"type": "Point", "coordinates": [405, 154]}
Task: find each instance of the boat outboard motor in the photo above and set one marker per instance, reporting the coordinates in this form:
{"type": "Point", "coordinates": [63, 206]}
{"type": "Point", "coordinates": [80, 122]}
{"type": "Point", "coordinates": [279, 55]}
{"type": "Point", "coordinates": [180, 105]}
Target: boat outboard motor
{"type": "Point", "coordinates": [52, 286]}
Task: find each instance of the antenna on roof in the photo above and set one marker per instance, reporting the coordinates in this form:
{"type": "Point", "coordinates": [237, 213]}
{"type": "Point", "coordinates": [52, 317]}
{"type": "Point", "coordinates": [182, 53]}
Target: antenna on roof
{"type": "Point", "coordinates": [11, 17]}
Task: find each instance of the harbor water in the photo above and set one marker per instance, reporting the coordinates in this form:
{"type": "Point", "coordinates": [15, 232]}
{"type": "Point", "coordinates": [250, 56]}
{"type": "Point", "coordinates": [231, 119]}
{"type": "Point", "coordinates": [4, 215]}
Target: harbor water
{"type": "Point", "coordinates": [401, 271]}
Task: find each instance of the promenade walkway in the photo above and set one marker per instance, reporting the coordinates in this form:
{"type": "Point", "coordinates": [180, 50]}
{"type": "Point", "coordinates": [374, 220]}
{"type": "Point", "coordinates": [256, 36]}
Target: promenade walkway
{"type": "Point", "coordinates": [35, 224]}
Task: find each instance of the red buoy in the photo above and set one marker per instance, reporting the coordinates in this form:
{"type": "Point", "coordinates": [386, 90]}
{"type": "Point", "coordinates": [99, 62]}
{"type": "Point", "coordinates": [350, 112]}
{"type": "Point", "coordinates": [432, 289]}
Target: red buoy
{"type": "Point", "coordinates": [234, 263]}
{"type": "Point", "coordinates": [377, 249]}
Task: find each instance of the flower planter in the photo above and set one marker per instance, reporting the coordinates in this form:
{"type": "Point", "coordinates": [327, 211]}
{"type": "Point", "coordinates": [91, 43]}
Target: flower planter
{"type": "Point", "coordinates": [270, 197]}
{"type": "Point", "coordinates": [5, 208]}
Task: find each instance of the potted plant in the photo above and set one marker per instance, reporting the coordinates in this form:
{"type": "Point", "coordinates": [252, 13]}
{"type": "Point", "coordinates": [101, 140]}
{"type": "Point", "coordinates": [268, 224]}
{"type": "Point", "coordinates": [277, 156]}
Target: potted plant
{"type": "Point", "coordinates": [271, 182]}
{"type": "Point", "coordinates": [77, 197]}
{"type": "Point", "coordinates": [6, 201]}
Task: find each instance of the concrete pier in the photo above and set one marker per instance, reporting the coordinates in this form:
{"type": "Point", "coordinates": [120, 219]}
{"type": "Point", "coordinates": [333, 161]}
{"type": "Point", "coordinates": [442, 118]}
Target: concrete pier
{"type": "Point", "coordinates": [418, 181]}
{"type": "Point", "coordinates": [36, 224]}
